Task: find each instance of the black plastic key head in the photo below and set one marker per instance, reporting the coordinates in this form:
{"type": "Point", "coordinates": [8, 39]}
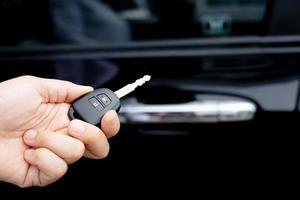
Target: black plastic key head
{"type": "Point", "coordinates": [91, 107]}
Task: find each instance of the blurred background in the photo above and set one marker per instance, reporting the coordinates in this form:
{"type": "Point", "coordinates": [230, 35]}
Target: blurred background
{"type": "Point", "coordinates": [221, 112]}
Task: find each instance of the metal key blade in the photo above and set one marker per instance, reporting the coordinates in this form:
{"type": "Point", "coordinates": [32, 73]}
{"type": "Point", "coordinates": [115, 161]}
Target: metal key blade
{"type": "Point", "coordinates": [131, 87]}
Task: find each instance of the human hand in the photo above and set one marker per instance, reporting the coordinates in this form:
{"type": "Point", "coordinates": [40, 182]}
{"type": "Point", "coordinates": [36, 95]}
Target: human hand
{"type": "Point", "coordinates": [37, 139]}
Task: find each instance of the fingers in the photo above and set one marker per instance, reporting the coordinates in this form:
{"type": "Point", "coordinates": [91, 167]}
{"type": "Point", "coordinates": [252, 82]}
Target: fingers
{"type": "Point", "coordinates": [50, 165]}
{"type": "Point", "coordinates": [66, 147]}
{"type": "Point", "coordinates": [79, 139]}
{"type": "Point", "coordinates": [97, 146]}
{"type": "Point", "coordinates": [57, 91]}
{"type": "Point", "coordinates": [94, 139]}
{"type": "Point", "coordinates": [110, 124]}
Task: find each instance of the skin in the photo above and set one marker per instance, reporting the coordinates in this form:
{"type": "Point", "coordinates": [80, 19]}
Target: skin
{"type": "Point", "coordinates": [37, 139]}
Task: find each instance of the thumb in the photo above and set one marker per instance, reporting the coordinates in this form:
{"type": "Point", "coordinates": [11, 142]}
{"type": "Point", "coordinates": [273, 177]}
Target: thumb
{"type": "Point", "coordinates": [58, 91]}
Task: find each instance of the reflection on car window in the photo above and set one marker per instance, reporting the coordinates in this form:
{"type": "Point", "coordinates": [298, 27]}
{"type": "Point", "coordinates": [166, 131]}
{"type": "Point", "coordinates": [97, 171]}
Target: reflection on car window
{"type": "Point", "coordinates": [90, 21]}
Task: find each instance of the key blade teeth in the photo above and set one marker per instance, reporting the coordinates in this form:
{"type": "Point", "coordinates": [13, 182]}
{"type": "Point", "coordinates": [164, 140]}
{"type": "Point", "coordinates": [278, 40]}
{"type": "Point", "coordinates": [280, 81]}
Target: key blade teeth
{"type": "Point", "coordinates": [143, 80]}
{"type": "Point", "coordinates": [139, 82]}
{"type": "Point", "coordinates": [131, 87]}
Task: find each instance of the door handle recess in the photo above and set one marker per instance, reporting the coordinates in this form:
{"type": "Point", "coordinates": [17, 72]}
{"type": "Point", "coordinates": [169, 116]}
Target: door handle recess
{"type": "Point", "coordinates": [205, 111]}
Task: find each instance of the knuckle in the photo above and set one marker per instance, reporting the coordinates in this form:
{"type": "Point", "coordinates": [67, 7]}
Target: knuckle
{"type": "Point", "coordinates": [27, 77]}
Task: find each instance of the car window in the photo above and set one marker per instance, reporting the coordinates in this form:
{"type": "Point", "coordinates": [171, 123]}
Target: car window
{"type": "Point", "coordinates": [115, 21]}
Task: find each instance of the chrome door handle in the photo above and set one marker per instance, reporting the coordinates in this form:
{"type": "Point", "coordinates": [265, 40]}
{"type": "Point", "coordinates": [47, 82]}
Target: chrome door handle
{"type": "Point", "coordinates": [207, 111]}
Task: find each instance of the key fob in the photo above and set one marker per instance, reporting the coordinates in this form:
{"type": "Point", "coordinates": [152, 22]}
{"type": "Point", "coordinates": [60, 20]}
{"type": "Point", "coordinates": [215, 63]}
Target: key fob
{"type": "Point", "coordinates": [92, 106]}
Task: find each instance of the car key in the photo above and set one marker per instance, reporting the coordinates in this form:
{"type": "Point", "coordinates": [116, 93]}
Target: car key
{"type": "Point", "coordinates": [92, 106]}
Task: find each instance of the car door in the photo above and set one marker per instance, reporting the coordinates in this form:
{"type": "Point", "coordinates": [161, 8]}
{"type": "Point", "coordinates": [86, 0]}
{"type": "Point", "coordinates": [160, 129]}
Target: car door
{"type": "Point", "coordinates": [221, 109]}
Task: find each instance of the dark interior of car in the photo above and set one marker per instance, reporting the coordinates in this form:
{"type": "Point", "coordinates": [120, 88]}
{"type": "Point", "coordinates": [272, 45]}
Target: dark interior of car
{"type": "Point", "coordinates": [236, 61]}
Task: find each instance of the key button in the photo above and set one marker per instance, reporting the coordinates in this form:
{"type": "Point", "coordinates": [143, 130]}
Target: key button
{"type": "Point", "coordinates": [96, 104]}
{"type": "Point", "coordinates": [104, 99]}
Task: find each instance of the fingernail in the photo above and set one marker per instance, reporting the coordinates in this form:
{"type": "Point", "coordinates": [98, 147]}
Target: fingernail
{"type": "Point", "coordinates": [30, 135]}
{"type": "Point", "coordinates": [77, 127]}
{"type": "Point", "coordinates": [114, 118]}
{"type": "Point", "coordinates": [88, 88]}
